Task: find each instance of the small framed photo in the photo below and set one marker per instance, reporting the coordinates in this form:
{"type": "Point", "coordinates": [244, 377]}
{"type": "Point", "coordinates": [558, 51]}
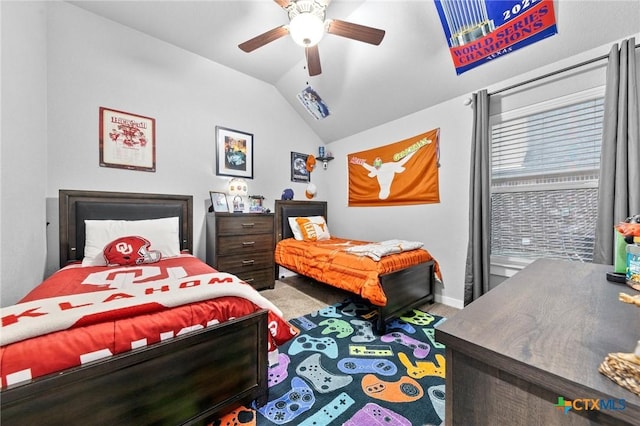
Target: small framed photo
{"type": "Point", "coordinates": [234, 153]}
{"type": "Point", "coordinates": [127, 141]}
{"type": "Point", "coordinates": [256, 203]}
{"type": "Point", "coordinates": [299, 172]}
{"type": "Point", "coordinates": [313, 103]}
{"type": "Point", "coordinates": [219, 202]}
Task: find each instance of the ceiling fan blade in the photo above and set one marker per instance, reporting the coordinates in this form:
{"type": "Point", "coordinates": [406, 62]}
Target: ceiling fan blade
{"type": "Point", "coordinates": [264, 38]}
{"type": "Point", "coordinates": [283, 3]}
{"type": "Point", "coordinates": [313, 60]}
{"type": "Point", "coordinates": [356, 32]}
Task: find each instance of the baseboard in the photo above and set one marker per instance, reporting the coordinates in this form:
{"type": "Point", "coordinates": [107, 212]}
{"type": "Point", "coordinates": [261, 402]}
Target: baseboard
{"type": "Point", "coordinates": [449, 301]}
{"type": "Point", "coordinates": [285, 273]}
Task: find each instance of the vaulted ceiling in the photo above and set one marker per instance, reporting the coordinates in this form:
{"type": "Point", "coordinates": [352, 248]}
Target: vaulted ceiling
{"type": "Point", "coordinates": [362, 84]}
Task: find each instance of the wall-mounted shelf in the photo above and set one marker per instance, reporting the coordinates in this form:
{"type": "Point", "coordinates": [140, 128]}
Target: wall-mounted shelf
{"type": "Point", "coordinates": [325, 161]}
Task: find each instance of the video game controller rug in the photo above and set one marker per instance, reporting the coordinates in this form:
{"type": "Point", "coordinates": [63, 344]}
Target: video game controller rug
{"type": "Point", "coordinates": [337, 371]}
{"type": "Point", "coordinates": [241, 416]}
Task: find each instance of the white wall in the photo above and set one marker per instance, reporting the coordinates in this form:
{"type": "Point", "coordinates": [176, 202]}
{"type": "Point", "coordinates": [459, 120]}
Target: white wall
{"type": "Point", "coordinates": [443, 227]}
{"type": "Point", "coordinates": [91, 62]}
{"type": "Point", "coordinates": [23, 147]}
{"type": "Point", "coordinates": [94, 62]}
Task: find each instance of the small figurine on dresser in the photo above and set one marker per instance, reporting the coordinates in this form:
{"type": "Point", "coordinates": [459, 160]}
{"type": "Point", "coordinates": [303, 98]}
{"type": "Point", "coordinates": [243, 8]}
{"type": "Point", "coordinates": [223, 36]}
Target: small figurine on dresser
{"type": "Point", "coordinates": [624, 368]}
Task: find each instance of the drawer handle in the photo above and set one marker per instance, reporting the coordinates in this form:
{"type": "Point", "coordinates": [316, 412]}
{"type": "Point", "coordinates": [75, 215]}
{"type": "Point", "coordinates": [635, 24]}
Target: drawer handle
{"type": "Point", "coordinates": [248, 225]}
{"type": "Point", "coordinates": [248, 262]}
{"type": "Point", "coordinates": [249, 280]}
{"type": "Point", "coordinates": [248, 243]}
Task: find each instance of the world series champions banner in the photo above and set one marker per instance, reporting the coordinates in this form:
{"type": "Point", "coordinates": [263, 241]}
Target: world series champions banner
{"type": "Point", "coordinates": [401, 173]}
{"type": "Point", "coordinates": [479, 31]}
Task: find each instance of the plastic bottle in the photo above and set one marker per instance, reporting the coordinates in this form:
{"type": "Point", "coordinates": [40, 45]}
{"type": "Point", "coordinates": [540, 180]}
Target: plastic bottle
{"type": "Point", "coordinates": [633, 263]}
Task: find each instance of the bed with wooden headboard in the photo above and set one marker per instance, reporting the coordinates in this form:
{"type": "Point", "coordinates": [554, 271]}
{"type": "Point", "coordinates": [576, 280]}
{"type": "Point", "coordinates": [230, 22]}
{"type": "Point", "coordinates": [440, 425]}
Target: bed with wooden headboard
{"type": "Point", "coordinates": [405, 288]}
{"type": "Point", "coordinates": [189, 379]}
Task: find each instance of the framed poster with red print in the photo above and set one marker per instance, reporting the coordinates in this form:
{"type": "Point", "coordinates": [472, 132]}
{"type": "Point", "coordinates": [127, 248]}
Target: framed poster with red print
{"type": "Point", "coordinates": [127, 141]}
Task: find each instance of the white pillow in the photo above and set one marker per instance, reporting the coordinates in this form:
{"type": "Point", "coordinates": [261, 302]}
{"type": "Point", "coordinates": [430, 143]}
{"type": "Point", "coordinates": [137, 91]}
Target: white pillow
{"type": "Point", "coordinates": [309, 228]}
{"type": "Point", "coordinates": [295, 228]}
{"type": "Point", "coordinates": [163, 234]}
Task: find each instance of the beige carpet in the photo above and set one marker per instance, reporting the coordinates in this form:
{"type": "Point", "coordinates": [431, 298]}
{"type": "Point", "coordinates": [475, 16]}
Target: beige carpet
{"type": "Point", "coordinates": [297, 296]}
{"type": "Point", "coordinates": [292, 302]}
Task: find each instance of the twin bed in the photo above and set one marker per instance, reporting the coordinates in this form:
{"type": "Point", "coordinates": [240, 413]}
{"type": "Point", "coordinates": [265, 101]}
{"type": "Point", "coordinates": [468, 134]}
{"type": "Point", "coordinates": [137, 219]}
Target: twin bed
{"type": "Point", "coordinates": [395, 284]}
{"type": "Point", "coordinates": [199, 357]}
{"type": "Point", "coordinates": [204, 353]}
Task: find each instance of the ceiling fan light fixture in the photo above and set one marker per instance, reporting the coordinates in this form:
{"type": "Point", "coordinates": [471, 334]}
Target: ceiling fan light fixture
{"type": "Point", "coordinates": [307, 26]}
{"type": "Point", "coordinates": [306, 29]}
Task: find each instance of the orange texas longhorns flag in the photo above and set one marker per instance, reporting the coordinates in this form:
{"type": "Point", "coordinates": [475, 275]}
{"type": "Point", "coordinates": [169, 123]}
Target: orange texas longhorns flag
{"type": "Point", "coordinates": [401, 173]}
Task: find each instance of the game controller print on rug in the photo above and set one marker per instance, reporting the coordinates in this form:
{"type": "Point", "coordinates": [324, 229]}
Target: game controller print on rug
{"type": "Point", "coordinates": [339, 372]}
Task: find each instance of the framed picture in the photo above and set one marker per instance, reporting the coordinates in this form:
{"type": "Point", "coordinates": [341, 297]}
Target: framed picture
{"type": "Point", "coordinates": [313, 103]}
{"type": "Point", "coordinates": [299, 172]}
{"type": "Point", "coordinates": [234, 153]}
{"type": "Point", "coordinates": [127, 141]}
{"type": "Point", "coordinates": [218, 202]}
{"type": "Point", "coordinates": [256, 203]}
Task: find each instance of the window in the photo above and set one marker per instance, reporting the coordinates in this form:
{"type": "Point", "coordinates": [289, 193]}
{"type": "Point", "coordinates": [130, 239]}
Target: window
{"type": "Point", "coordinates": [544, 180]}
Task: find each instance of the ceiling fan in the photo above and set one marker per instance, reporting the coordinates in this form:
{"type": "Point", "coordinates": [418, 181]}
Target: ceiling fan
{"type": "Point", "coordinates": [307, 25]}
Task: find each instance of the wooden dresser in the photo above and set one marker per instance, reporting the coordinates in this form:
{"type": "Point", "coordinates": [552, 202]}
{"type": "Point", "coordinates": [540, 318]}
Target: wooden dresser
{"type": "Point", "coordinates": [537, 337]}
{"type": "Point", "coordinates": [243, 244]}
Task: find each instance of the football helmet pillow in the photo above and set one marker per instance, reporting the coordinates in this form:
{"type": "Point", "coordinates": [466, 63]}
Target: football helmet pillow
{"type": "Point", "coordinates": [129, 251]}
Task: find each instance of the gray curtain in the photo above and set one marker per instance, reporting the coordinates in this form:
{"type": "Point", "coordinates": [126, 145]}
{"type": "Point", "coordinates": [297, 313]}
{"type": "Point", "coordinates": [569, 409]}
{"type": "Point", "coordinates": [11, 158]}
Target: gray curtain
{"type": "Point", "coordinates": [619, 186]}
{"type": "Point", "coordinates": [476, 279]}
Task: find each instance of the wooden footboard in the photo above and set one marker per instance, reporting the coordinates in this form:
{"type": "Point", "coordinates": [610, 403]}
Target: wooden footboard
{"type": "Point", "coordinates": [406, 289]}
{"type": "Point", "coordinates": [187, 380]}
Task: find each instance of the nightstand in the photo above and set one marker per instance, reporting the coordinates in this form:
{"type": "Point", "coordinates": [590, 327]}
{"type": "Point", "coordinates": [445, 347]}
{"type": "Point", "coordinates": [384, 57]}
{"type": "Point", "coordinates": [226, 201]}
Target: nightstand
{"type": "Point", "coordinates": [243, 244]}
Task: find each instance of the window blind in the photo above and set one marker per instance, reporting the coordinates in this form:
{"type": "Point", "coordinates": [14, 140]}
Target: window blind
{"type": "Point", "coordinates": [544, 173]}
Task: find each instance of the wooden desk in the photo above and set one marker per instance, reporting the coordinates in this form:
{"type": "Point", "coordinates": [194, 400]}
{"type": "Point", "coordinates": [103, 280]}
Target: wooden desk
{"type": "Point", "coordinates": [538, 336]}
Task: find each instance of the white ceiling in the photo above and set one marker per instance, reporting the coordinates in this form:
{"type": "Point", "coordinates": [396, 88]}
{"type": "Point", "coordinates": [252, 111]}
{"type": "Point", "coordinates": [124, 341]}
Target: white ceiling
{"type": "Point", "coordinates": [363, 85]}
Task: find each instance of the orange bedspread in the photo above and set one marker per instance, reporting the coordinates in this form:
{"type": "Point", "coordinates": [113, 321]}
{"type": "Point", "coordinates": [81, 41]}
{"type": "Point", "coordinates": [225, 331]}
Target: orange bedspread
{"type": "Point", "coordinates": [327, 262]}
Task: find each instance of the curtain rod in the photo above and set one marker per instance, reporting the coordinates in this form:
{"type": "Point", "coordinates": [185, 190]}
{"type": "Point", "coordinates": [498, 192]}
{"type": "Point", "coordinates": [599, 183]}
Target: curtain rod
{"type": "Point", "coordinates": [569, 68]}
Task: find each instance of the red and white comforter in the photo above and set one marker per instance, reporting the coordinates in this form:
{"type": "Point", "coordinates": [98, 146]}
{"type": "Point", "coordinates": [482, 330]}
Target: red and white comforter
{"type": "Point", "coordinates": [81, 314]}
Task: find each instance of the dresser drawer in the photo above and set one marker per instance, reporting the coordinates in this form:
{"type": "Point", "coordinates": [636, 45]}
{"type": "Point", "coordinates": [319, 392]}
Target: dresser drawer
{"type": "Point", "coordinates": [243, 244]}
{"type": "Point", "coordinates": [237, 263]}
{"type": "Point", "coordinates": [236, 244]}
{"type": "Point", "coordinates": [259, 279]}
{"type": "Point", "coordinates": [244, 224]}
